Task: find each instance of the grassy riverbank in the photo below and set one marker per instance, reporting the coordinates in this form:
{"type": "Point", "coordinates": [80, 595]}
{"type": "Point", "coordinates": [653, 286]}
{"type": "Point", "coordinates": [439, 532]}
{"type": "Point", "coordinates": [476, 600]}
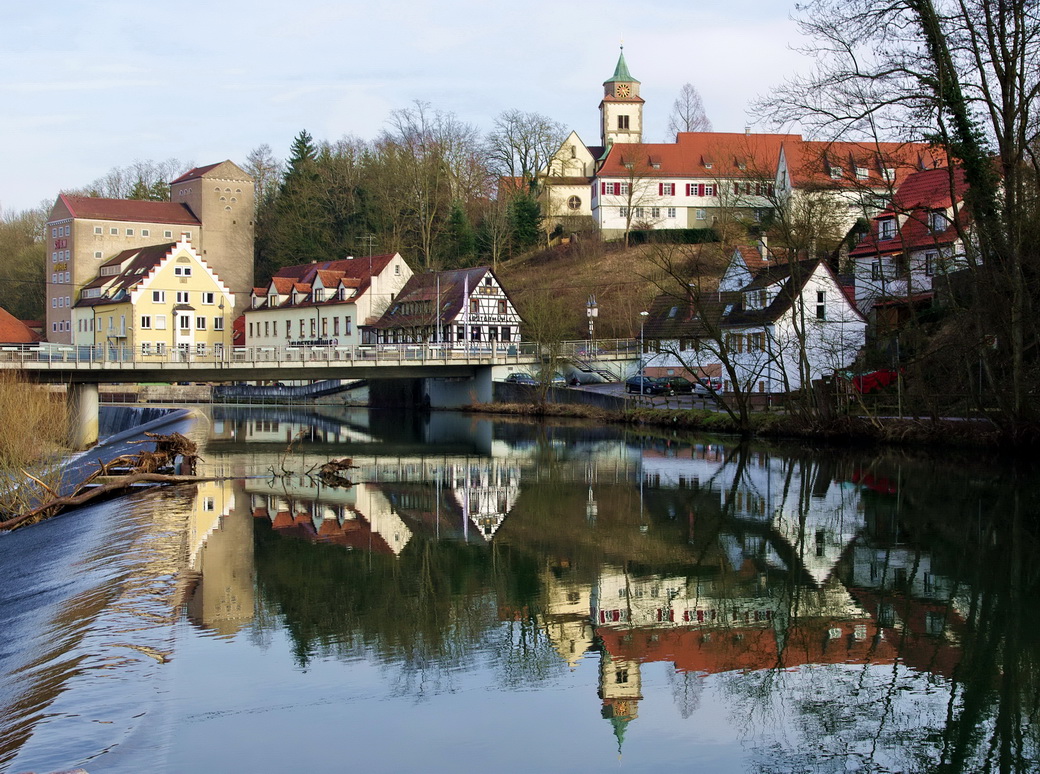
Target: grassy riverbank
{"type": "Point", "coordinates": [774, 425]}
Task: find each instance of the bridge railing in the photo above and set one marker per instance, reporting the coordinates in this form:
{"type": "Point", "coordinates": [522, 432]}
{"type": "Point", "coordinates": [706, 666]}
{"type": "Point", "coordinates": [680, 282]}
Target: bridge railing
{"type": "Point", "coordinates": [362, 353]}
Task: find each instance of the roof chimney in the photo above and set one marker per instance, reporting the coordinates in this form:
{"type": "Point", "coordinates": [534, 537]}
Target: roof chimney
{"type": "Point", "coordinates": [747, 131]}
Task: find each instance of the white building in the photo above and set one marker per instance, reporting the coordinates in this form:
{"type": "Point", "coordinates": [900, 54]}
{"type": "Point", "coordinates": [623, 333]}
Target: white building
{"type": "Point", "coordinates": [793, 321]}
{"type": "Point", "coordinates": [324, 304]}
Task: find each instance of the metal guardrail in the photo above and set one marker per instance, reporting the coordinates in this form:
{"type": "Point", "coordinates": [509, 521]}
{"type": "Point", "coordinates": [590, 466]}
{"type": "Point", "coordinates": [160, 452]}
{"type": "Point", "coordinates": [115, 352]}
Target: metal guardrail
{"type": "Point", "coordinates": [58, 355]}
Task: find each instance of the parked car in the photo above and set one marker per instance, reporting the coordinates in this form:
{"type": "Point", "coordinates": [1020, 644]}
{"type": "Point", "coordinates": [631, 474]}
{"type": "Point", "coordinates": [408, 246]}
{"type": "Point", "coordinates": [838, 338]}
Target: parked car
{"type": "Point", "coordinates": [644, 385]}
{"type": "Point", "coordinates": [680, 385]}
{"type": "Point", "coordinates": [521, 377]}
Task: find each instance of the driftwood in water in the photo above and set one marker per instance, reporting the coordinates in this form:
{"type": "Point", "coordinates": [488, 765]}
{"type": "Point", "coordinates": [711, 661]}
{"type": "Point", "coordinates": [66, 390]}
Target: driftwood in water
{"type": "Point", "coordinates": [142, 468]}
{"type": "Point", "coordinates": [329, 473]}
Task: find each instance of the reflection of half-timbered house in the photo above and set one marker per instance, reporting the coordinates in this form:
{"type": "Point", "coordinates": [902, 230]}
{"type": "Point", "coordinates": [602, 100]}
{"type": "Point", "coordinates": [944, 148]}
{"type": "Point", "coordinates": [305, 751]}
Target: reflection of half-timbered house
{"type": "Point", "coordinates": [466, 306]}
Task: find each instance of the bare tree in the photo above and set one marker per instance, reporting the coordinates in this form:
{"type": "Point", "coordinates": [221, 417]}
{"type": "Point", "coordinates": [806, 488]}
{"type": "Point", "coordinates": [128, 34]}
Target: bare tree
{"type": "Point", "coordinates": [520, 145]}
{"type": "Point", "coordinates": [688, 112]}
{"type": "Point", "coordinates": [966, 74]}
{"type": "Point", "coordinates": [266, 171]}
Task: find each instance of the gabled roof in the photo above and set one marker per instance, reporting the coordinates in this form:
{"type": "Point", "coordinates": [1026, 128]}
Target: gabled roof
{"type": "Point", "coordinates": [136, 264]}
{"type": "Point", "coordinates": [919, 195]}
{"type": "Point", "coordinates": [223, 170]}
{"type": "Point", "coordinates": [130, 210]}
{"type": "Point", "coordinates": [450, 295]}
{"type": "Point", "coordinates": [695, 316]}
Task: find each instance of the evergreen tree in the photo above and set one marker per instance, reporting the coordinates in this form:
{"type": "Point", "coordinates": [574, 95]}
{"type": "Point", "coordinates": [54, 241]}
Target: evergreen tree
{"type": "Point", "coordinates": [461, 241]}
{"type": "Point", "coordinates": [525, 218]}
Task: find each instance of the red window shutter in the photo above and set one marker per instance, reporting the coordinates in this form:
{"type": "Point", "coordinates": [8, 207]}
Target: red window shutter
{"type": "Point", "coordinates": [736, 188]}
{"type": "Point", "coordinates": [660, 189]}
{"type": "Point", "coordinates": [687, 189]}
{"type": "Point", "coordinates": [700, 189]}
{"type": "Point", "coordinates": [603, 189]}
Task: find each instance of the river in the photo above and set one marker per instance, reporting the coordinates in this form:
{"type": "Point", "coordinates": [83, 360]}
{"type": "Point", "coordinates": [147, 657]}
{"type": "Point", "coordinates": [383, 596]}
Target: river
{"type": "Point", "coordinates": [507, 595]}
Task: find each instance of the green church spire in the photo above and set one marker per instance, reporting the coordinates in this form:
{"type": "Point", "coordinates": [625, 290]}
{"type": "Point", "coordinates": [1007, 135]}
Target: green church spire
{"type": "Point", "coordinates": [621, 72]}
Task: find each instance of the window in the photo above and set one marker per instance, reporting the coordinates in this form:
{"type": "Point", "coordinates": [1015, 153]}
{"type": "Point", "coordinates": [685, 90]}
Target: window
{"type": "Point", "coordinates": [182, 296]}
{"type": "Point", "coordinates": [167, 235]}
{"type": "Point", "coordinates": [930, 260]}
{"type": "Point", "coordinates": [346, 325]}
{"type": "Point", "coordinates": [97, 253]}
{"type": "Point", "coordinates": [937, 221]}
{"type": "Point", "coordinates": [667, 189]}
{"type": "Point", "coordinates": [184, 322]}
{"type": "Point", "coordinates": [200, 323]}
{"type": "Point", "coordinates": [397, 270]}
{"type": "Point", "coordinates": [113, 231]}
{"type": "Point", "coordinates": [501, 307]}
{"type": "Point", "coordinates": [200, 348]}
{"type": "Point", "coordinates": [639, 212]}
{"type": "Point", "coordinates": [574, 203]}
{"type": "Point", "coordinates": [655, 212]}
{"type": "Point", "coordinates": [146, 348]}
{"type": "Point", "coordinates": [145, 232]}
{"type": "Point", "coordinates": [821, 304]}
{"type": "Point", "coordinates": [861, 173]}
{"type": "Point", "coordinates": [887, 228]}
{"type": "Point", "coordinates": [129, 232]}
{"type": "Point", "coordinates": [701, 215]}
{"type": "Point", "coordinates": [182, 271]}
{"type": "Point", "coordinates": [335, 326]}
{"type": "Point", "coordinates": [208, 298]}
{"type": "Point", "coordinates": [160, 348]}
{"type": "Point", "coordinates": [98, 230]}
{"type": "Point", "coordinates": [623, 212]}
{"type": "Point", "coordinates": [836, 173]}
{"type": "Point", "coordinates": [146, 322]}
{"type": "Point", "coordinates": [218, 323]}
{"type": "Point", "coordinates": [158, 296]}
{"type": "Point", "coordinates": [671, 212]}
{"type": "Point", "coordinates": [622, 122]}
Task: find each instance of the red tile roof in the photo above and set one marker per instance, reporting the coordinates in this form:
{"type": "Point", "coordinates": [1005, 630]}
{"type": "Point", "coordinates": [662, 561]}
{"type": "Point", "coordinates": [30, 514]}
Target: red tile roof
{"type": "Point", "coordinates": [136, 210]}
{"type": "Point", "coordinates": [14, 331]}
{"type": "Point", "coordinates": [731, 155]}
{"type": "Point", "coordinates": [919, 195]}
{"type": "Point", "coordinates": [197, 172]}
{"type": "Point", "coordinates": [812, 163]}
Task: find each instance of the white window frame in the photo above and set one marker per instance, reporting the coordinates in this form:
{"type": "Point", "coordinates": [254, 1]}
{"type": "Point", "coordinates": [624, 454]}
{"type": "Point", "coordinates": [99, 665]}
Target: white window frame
{"type": "Point", "coordinates": [158, 296]}
{"type": "Point", "coordinates": [146, 322]}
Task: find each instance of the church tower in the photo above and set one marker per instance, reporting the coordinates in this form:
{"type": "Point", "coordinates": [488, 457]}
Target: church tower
{"type": "Point", "coordinates": [621, 111]}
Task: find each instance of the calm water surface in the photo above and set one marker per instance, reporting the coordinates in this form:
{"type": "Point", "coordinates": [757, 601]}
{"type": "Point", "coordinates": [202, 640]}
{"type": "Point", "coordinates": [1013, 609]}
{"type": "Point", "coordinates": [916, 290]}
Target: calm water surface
{"type": "Point", "coordinates": [517, 597]}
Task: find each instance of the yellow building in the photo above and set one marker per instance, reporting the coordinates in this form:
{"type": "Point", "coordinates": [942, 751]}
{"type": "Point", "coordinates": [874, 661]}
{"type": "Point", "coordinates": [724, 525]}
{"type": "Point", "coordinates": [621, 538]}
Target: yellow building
{"type": "Point", "coordinates": [154, 302]}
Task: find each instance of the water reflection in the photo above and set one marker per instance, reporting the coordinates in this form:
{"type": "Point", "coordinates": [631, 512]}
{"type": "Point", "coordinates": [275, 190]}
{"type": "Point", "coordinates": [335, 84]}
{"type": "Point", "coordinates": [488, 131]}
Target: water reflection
{"type": "Point", "coordinates": [833, 612]}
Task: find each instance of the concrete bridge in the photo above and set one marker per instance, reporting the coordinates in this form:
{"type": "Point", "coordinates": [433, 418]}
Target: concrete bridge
{"type": "Point", "coordinates": [452, 375]}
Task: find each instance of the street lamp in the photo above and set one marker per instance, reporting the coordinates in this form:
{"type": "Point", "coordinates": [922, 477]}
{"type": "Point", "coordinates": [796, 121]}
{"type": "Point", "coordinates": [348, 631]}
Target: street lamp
{"type": "Point", "coordinates": [592, 310]}
{"type": "Point", "coordinates": [642, 349]}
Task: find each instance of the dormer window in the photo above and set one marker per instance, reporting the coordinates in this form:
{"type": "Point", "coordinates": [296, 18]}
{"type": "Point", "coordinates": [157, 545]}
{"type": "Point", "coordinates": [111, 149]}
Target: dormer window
{"type": "Point", "coordinates": [272, 299]}
{"type": "Point", "coordinates": [319, 294]}
{"type": "Point", "coordinates": [937, 221]}
{"type": "Point", "coordinates": [887, 228]}
{"type": "Point", "coordinates": [861, 173]}
{"type": "Point", "coordinates": [836, 173]}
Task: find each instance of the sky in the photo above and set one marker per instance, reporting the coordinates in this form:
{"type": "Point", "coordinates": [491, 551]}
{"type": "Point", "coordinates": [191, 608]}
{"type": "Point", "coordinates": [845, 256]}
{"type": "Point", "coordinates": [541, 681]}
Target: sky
{"type": "Point", "coordinates": [89, 85]}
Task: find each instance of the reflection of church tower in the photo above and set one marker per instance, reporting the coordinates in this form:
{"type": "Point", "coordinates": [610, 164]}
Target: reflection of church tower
{"type": "Point", "coordinates": [621, 111]}
{"type": "Point", "coordinates": [619, 688]}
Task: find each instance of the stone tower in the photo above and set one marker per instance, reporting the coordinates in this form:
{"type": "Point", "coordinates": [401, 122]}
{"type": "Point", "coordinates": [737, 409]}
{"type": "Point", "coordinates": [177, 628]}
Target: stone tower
{"type": "Point", "coordinates": [222, 197]}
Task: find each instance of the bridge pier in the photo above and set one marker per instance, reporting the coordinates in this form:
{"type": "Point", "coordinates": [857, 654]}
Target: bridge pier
{"type": "Point", "coordinates": [83, 402]}
{"type": "Point", "coordinates": [456, 393]}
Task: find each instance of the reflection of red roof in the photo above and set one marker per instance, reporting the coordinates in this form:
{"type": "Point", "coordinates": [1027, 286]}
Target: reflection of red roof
{"type": "Point", "coordinates": [355, 533]}
{"type": "Point", "coordinates": [726, 649]}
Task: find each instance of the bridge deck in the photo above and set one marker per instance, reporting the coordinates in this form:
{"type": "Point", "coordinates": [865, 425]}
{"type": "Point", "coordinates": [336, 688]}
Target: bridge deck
{"type": "Point", "coordinates": [108, 364]}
